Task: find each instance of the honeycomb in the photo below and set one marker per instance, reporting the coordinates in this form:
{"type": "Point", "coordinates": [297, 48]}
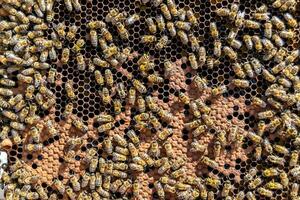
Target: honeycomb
{"type": "Point", "coordinates": [150, 99]}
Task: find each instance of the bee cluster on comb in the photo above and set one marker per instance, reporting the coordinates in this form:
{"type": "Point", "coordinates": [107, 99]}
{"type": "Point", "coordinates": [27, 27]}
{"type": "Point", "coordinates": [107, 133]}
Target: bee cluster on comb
{"type": "Point", "coordinates": [150, 99]}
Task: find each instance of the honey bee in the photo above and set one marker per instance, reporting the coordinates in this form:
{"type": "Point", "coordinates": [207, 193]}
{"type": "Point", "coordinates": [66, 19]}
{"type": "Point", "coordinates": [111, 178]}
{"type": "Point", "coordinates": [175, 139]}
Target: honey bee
{"type": "Point", "coordinates": [10, 115]}
{"type": "Point", "coordinates": [266, 114]}
{"type": "Point", "coordinates": [105, 96]}
{"type": "Point", "coordinates": [38, 65]}
{"type": "Point", "coordinates": [230, 53]}
{"type": "Point", "coordinates": [59, 186]}
{"type": "Point", "coordinates": [278, 23]}
{"type": "Point", "coordinates": [222, 12]}
{"type": "Point", "coordinates": [21, 78]}
{"type": "Point", "coordinates": [255, 183]}
{"type": "Point", "coordinates": [241, 83]}
{"type": "Point", "coordinates": [291, 21]}
{"type": "Point", "coordinates": [275, 122]}
{"type": "Point", "coordinates": [279, 56]}
{"type": "Point", "coordinates": [162, 135]}
{"type": "Point", "coordinates": [276, 160]}
{"type": "Point", "coordinates": [233, 133]}
{"type": "Point", "coordinates": [120, 141]}
{"type": "Point", "coordinates": [85, 180]}
{"type": "Point", "coordinates": [251, 24]}
{"type": "Point", "coordinates": [110, 51]}
{"type": "Point", "coordinates": [213, 182]}
{"type": "Point", "coordinates": [68, 4]}
{"type": "Point", "coordinates": [201, 83]}
{"type": "Point", "coordinates": [148, 39]}
{"type": "Point", "coordinates": [110, 80]}
{"type": "Point", "coordinates": [190, 17]}
{"type": "Point", "coordinates": [183, 37]}
{"type": "Point", "coordinates": [133, 137]}
{"type": "Point", "coordinates": [72, 32]}
{"type": "Point", "coordinates": [70, 90]}
{"type": "Point", "coordinates": [51, 75]}
{"type": "Point", "coordinates": [94, 38]}
{"type": "Point", "coordinates": [195, 110]}
{"type": "Point", "coordinates": [68, 110]}
{"type": "Point", "coordinates": [268, 76]}
{"type": "Point", "coordinates": [287, 34]}
{"type": "Point", "coordinates": [123, 32]}
{"type": "Point", "coordinates": [269, 54]}
{"type": "Point", "coordinates": [226, 189]}
{"type": "Point", "coordinates": [261, 16]}
{"type": "Point", "coordinates": [272, 185]}
{"type": "Point", "coordinates": [70, 193]}
{"type": "Point", "coordinates": [121, 150]}
{"type": "Point", "coordinates": [164, 167]}
{"type": "Point", "coordinates": [270, 172]}
{"type": "Point", "coordinates": [213, 30]}
{"type": "Point", "coordinates": [126, 185]}
{"type": "Point", "coordinates": [33, 147]}
{"type": "Point", "coordinates": [117, 106]}
{"type": "Point", "coordinates": [257, 43]}
{"type": "Point", "coordinates": [60, 29]}
{"type": "Point", "coordinates": [186, 26]}
{"type": "Point", "coordinates": [81, 65]}
{"type": "Point", "coordinates": [76, 5]}
{"type": "Point", "coordinates": [115, 185]}
{"type": "Point", "coordinates": [162, 42]}
{"type": "Point", "coordinates": [239, 20]}
{"type": "Point", "coordinates": [292, 56]}
{"type": "Point", "coordinates": [105, 127]}
{"type": "Point", "coordinates": [41, 191]}
{"type": "Point", "coordinates": [268, 30]}
{"type": "Point", "coordinates": [197, 147]}
{"type": "Point", "coordinates": [235, 43]}
{"type": "Point", "coordinates": [17, 126]}
{"type": "Point", "coordinates": [80, 125]}
{"type": "Point", "coordinates": [29, 92]}
{"type": "Point", "coordinates": [136, 167]}
{"type": "Point", "coordinates": [44, 55]}
{"type": "Point", "coordinates": [165, 115]}
{"type": "Point", "coordinates": [132, 96]}
{"type": "Point", "coordinates": [294, 158]}
{"type": "Point", "coordinates": [166, 12]}
{"type": "Point", "coordinates": [232, 34]}
{"type": "Point", "coordinates": [269, 45]}
{"type": "Point", "coordinates": [217, 48]}
{"type": "Point", "coordinates": [267, 145]}
{"type": "Point", "coordinates": [78, 45]}
{"type": "Point", "coordinates": [250, 175]}
{"type": "Point", "coordinates": [202, 56]}
{"type": "Point", "coordinates": [233, 11]}
{"type": "Point", "coordinates": [151, 25]}
{"type": "Point", "coordinates": [238, 70]}
{"type": "Point", "coordinates": [139, 86]}
{"type": "Point", "coordinates": [65, 56]}
{"type": "Point", "coordinates": [160, 23]}
{"type": "Point", "coordinates": [219, 90]}
{"type": "Point", "coordinates": [199, 130]}
{"type": "Point", "coordinates": [209, 162]}
{"type": "Point", "coordinates": [132, 19]}
{"type": "Point", "coordinates": [265, 192]}
{"type": "Point", "coordinates": [294, 190]}
{"type": "Point", "coordinates": [281, 149]}
{"type": "Point", "coordinates": [254, 137]}
{"type": "Point", "coordinates": [101, 63]}
{"type": "Point", "coordinates": [276, 104]}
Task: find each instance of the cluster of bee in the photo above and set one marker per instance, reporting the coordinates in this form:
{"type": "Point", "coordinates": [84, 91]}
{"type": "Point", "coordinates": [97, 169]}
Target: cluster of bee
{"type": "Point", "coordinates": [25, 56]}
{"type": "Point", "coordinates": [29, 51]}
